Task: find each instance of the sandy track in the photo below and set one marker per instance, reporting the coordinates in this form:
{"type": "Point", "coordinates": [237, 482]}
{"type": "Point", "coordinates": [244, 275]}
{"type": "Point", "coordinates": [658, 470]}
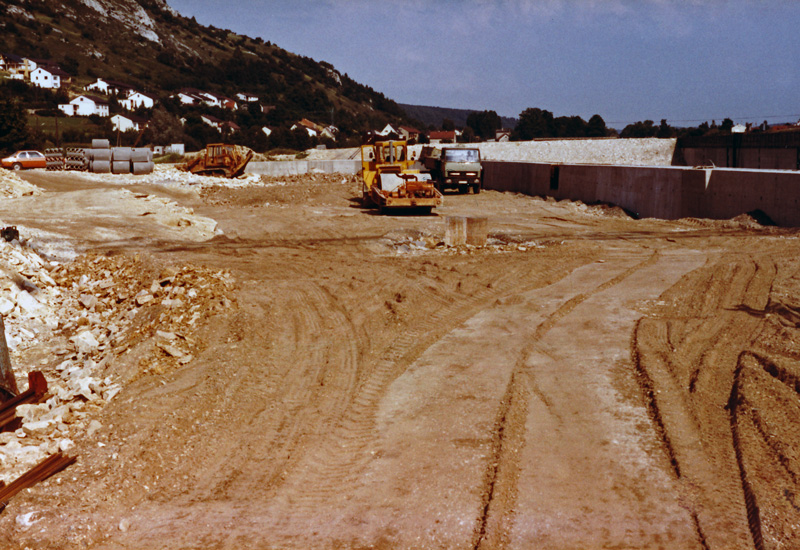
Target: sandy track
{"type": "Point", "coordinates": [585, 381]}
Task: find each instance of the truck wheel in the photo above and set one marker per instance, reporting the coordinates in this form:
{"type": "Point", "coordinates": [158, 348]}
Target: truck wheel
{"type": "Point", "coordinates": [476, 188]}
{"type": "Point", "coordinates": [463, 189]}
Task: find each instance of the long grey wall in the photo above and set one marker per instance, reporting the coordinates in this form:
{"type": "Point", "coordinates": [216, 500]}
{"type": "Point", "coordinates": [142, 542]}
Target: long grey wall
{"type": "Point", "coordinates": [659, 192]}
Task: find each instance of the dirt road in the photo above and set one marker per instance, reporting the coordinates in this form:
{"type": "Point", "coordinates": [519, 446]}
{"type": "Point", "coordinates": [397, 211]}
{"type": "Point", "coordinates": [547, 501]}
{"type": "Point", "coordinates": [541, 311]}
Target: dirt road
{"type": "Point", "coordinates": [584, 381]}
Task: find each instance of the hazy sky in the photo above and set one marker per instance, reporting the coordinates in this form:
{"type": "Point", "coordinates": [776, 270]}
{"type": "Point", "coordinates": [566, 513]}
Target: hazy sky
{"type": "Point", "coordinates": [683, 60]}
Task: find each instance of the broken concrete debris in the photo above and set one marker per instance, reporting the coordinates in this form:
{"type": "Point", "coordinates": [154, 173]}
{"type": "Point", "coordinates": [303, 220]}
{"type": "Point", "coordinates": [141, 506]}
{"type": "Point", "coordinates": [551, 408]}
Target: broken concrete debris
{"type": "Point", "coordinates": [81, 317]}
{"type": "Point", "coordinates": [12, 186]}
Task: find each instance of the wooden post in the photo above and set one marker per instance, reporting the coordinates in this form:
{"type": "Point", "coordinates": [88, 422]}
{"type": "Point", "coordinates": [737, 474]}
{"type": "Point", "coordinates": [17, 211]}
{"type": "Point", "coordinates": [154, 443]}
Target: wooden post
{"type": "Point", "coordinates": [8, 383]}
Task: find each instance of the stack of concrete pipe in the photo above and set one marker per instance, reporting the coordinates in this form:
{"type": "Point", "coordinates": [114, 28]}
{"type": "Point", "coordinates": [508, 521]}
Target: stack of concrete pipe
{"type": "Point", "coordinates": [54, 158]}
{"type": "Point", "coordinates": [104, 159]}
{"type": "Point", "coordinates": [75, 159]}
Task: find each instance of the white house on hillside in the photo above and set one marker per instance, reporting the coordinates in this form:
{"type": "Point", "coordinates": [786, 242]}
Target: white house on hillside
{"type": "Point", "coordinates": [389, 129]}
{"type": "Point", "coordinates": [48, 77]}
{"type": "Point", "coordinates": [125, 123]}
{"type": "Point", "coordinates": [136, 100]}
{"type": "Point", "coordinates": [109, 87]}
{"type": "Point", "coordinates": [248, 98]}
{"type": "Point", "coordinates": [85, 105]}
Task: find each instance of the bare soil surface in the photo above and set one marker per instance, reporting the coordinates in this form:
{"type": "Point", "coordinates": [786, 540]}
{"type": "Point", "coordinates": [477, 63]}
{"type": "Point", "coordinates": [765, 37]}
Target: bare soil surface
{"type": "Point", "coordinates": [585, 380]}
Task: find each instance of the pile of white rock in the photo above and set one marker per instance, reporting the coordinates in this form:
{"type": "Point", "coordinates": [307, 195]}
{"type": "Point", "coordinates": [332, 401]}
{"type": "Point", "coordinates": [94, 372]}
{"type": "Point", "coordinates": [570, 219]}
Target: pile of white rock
{"type": "Point", "coordinates": [12, 186]}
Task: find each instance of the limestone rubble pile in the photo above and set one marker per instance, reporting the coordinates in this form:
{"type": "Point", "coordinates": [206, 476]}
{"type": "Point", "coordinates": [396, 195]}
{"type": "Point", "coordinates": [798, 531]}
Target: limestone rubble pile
{"type": "Point", "coordinates": [170, 176]}
{"type": "Point", "coordinates": [84, 318]}
{"type": "Point", "coordinates": [12, 186]}
{"type": "Point", "coordinates": [625, 152]}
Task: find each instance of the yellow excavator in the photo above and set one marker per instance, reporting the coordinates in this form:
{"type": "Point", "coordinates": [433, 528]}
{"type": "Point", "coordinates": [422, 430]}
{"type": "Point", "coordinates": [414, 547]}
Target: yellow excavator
{"type": "Point", "coordinates": [391, 182]}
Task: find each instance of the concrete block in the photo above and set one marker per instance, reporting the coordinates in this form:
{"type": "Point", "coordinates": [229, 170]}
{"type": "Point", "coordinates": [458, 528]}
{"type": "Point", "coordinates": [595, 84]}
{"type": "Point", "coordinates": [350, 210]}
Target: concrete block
{"type": "Point", "coordinates": [461, 230]}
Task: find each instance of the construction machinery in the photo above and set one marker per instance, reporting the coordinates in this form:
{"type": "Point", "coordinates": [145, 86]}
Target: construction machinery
{"type": "Point", "coordinates": [220, 159]}
{"type": "Point", "coordinates": [454, 167]}
{"type": "Point", "coordinates": [391, 181]}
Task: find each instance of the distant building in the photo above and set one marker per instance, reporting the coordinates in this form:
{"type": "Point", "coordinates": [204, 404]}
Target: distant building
{"type": "Point", "coordinates": [247, 98]}
{"type": "Point", "coordinates": [409, 133]}
{"type": "Point", "coordinates": [85, 105]}
{"type": "Point", "coordinates": [10, 62]}
{"type": "Point", "coordinates": [389, 129]}
{"type": "Point", "coordinates": [49, 76]}
{"type": "Point", "coordinates": [109, 87]}
{"type": "Point", "coordinates": [221, 125]}
{"type": "Point", "coordinates": [137, 99]}
{"type": "Point", "coordinates": [127, 122]}
{"type": "Point", "coordinates": [502, 135]}
{"type": "Point", "coordinates": [442, 136]}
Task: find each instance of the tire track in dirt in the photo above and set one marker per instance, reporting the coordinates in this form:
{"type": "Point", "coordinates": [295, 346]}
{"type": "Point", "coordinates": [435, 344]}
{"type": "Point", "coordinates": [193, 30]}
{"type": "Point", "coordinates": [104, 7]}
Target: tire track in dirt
{"type": "Point", "coordinates": [581, 415]}
{"type": "Point", "coordinates": [495, 523]}
{"type": "Point", "coordinates": [687, 358]}
{"type": "Point", "coordinates": [338, 460]}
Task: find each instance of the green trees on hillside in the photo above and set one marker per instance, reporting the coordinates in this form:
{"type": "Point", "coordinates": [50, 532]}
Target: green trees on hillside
{"type": "Point", "coordinates": [536, 123]}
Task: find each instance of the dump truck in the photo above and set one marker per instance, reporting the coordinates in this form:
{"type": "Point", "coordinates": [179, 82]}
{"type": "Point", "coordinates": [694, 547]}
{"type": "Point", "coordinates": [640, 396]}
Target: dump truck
{"type": "Point", "coordinates": [220, 159]}
{"type": "Point", "coordinates": [390, 180]}
{"type": "Point", "coordinates": [454, 168]}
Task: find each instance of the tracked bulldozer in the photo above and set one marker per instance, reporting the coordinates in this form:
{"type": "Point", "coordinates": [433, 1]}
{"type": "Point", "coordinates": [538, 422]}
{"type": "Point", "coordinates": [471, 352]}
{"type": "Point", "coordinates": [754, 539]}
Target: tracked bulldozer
{"type": "Point", "coordinates": [220, 159]}
{"type": "Point", "coordinates": [390, 181]}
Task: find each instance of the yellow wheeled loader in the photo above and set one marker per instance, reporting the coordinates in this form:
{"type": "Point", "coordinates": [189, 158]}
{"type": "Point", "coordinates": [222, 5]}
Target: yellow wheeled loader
{"type": "Point", "coordinates": [391, 182]}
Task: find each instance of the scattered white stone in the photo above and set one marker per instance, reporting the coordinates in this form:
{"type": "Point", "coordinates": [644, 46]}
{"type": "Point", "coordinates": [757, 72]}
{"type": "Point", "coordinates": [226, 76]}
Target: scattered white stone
{"type": "Point", "coordinates": [26, 520]}
{"type": "Point", "coordinates": [28, 303]}
{"type": "Point", "coordinates": [89, 301]}
{"type": "Point", "coordinates": [85, 341]}
{"type": "Point", "coordinates": [94, 425]}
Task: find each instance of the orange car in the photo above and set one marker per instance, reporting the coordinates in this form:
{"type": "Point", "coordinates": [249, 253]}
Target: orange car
{"type": "Point", "coordinates": [25, 159]}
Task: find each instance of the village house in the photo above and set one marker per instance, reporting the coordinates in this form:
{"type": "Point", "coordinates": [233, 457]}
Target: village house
{"type": "Point", "coordinates": [388, 130]}
{"type": "Point", "coordinates": [442, 136]}
{"type": "Point", "coordinates": [85, 105]}
{"type": "Point", "coordinates": [502, 135]}
{"type": "Point", "coordinates": [137, 99]}
{"type": "Point", "coordinates": [190, 96]}
{"type": "Point", "coordinates": [221, 125]}
{"type": "Point", "coordinates": [247, 98]}
{"type": "Point", "coordinates": [193, 96]}
{"type": "Point", "coordinates": [49, 76]}
{"type": "Point", "coordinates": [109, 87]}
{"type": "Point", "coordinates": [409, 133]}
{"type": "Point", "coordinates": [127, 122]}
{"type": "Point", "coordinates": [10, 62]}
{"type": "Point", "coordinates": [217, 100]}
{"type": "Point", "coordinates": [313, 129]}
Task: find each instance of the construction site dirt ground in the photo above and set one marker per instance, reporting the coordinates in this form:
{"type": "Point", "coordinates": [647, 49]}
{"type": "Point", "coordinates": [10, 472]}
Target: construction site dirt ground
{"type": "Point", "coordinates": [586, 380]}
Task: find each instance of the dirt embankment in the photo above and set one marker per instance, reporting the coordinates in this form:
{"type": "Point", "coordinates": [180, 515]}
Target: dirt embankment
{"type": "Point", "coordinates": [318, 376]}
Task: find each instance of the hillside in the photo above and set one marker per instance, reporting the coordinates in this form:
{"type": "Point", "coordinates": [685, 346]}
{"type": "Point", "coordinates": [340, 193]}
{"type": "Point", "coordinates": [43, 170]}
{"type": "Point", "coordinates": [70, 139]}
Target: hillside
{"type": "Point", "coordinates": [434, 116]}
{"type": "Point", "coordinates": [148, 45]}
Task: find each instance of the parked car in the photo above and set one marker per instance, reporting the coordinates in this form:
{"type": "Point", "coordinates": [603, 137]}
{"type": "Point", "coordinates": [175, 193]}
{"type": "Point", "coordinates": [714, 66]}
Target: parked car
{"type": "Point", "coordinates": [24, 159]}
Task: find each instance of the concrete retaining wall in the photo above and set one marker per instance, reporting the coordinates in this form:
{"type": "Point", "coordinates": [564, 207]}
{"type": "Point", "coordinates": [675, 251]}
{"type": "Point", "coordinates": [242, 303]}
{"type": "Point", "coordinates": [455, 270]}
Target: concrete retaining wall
{"type": "Point", "coordinates": [659, 192]}
{"type": "Point", "coordinates": [297, 167]}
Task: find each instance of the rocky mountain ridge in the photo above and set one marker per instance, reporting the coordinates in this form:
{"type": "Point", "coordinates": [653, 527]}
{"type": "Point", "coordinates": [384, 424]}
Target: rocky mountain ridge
{"type": "Point", "coordinates": [149, 45]}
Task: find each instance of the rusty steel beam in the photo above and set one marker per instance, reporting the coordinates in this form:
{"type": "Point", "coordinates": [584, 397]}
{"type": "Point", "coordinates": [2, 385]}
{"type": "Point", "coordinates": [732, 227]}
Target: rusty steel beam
{"type": "Point", "coordinates": [37, 387]}
{"type": "Point", "coordinates": [47, 467]}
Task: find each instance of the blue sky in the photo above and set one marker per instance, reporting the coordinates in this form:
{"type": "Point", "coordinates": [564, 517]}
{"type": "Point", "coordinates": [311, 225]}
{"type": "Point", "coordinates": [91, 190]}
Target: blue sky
{"type": "Point", "coordinates": [686, 61]}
